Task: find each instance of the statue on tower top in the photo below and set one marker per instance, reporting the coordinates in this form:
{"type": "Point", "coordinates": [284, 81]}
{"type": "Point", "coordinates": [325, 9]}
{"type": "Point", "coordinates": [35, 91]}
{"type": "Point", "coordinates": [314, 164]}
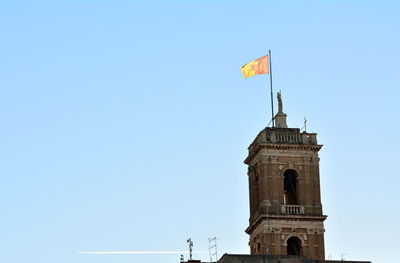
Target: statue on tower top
{"type": "Point", "coordinates": [280, 105]}
{"type": "Point", "coordinates": [280, 117]}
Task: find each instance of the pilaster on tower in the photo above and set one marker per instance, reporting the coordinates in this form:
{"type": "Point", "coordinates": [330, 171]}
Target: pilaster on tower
{"type": "Point", "coordinates": [285, 205]}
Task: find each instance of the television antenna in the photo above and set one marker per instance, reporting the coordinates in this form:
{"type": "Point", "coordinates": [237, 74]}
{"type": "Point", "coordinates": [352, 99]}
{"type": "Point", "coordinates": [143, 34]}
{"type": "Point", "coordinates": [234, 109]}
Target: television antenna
{"type": "Point", "coordinates": [190, 242]}
{"type": "Point", "coordinates": [305, 125]}
{"type": "Point", "coordinates": [212, 249]}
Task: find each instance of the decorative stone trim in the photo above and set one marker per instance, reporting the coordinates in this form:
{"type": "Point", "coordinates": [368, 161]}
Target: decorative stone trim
{"type": "Point", "coordinates": [301, 237]}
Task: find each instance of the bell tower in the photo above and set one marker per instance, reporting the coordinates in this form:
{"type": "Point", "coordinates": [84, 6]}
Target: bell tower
{"type": "Point", "coordinates": [285, 205]}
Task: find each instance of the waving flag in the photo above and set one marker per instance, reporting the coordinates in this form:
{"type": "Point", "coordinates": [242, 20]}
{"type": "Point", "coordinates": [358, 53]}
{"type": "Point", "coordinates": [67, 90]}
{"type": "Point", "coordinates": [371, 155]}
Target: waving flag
{"type": "Point", "coordinates": [256, 67]}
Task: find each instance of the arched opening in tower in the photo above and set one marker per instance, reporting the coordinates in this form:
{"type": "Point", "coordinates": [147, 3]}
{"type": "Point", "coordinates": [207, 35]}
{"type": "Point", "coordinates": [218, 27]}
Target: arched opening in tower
{"type": "Point", "coordinates": [290, 187]}
{"type": "Point", "coordinates": [294, 246]}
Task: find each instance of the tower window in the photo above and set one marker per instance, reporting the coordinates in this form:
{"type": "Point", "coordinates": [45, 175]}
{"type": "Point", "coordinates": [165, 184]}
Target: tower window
{"type": "Point", "coordinates": [290, 187]}
{"type": "Point", "coordinates": [294, 246]}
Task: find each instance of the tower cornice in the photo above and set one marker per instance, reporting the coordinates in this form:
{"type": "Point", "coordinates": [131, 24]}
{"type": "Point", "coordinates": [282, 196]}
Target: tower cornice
{"type": "Point", "coordinates": [280, 146]}
{"type": "Point", "coordinates": [262, 217]}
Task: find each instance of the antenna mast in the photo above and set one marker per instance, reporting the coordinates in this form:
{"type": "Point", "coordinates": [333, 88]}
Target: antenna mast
{"type": "Point", "coordinates": [190, 242]}
{"type": "Point", "coordinates": [305, 125]}
{"type": "Point", "coordinates": [212, 248]}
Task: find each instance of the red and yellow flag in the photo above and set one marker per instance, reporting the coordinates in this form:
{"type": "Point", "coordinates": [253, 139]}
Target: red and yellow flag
{"type": "Point", "coordinates": [256, 67]}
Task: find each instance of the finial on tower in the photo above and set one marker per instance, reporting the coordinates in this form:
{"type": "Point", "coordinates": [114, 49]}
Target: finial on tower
{"type": "Point", "coordinates": [280, 117]}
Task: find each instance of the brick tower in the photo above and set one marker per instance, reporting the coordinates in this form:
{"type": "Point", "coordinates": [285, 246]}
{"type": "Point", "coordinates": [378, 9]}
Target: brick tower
{"type": "Point", "coordinates": [285, 204]}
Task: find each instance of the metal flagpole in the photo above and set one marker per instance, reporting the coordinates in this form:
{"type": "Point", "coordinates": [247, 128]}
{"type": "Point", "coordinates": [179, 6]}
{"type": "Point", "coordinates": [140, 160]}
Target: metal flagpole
{"type": "Point", "coordinates": [270, 81]}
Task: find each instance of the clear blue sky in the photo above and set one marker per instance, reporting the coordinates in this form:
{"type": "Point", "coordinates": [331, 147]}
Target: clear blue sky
{"type": "Point", "coordinates": [124, 125]}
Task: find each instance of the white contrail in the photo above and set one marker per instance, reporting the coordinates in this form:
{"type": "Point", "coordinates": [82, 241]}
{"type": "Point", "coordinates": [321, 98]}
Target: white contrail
{"type": "Point", "coordinates": [137, 252]}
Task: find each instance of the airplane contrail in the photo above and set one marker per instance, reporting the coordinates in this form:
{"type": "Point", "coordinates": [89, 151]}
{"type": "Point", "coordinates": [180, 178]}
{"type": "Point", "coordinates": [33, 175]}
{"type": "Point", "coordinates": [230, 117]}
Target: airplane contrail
{"type": "Point", "coordinates": [137, 252]}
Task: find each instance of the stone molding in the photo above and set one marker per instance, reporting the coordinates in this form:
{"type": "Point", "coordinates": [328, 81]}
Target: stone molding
{"type": "Point", "coordinates": [303, 239]}
{"type": "Point", "coordinates": [282, 148]}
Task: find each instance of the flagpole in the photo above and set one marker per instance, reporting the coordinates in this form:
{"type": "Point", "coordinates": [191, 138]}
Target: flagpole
{"type": "Point", "coordinates": [270, 82]}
